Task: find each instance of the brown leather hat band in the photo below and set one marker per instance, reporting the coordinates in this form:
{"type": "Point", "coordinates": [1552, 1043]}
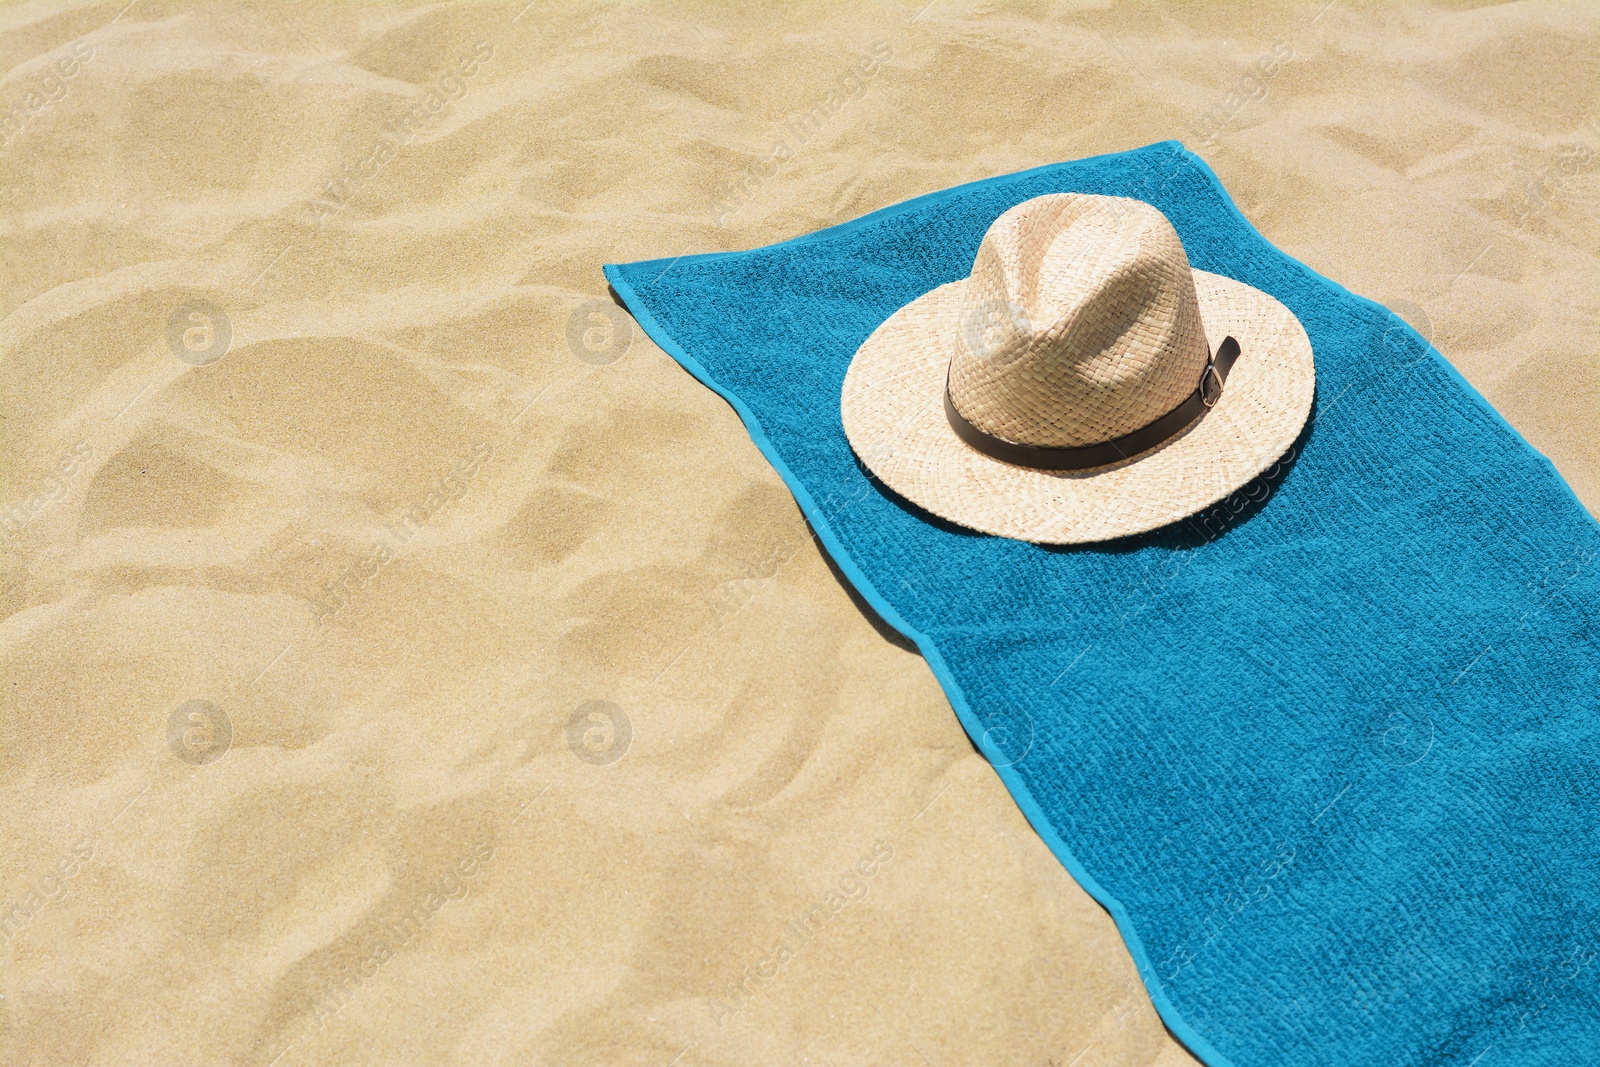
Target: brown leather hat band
{"type": "Point", "coordinates": [1196, 404]}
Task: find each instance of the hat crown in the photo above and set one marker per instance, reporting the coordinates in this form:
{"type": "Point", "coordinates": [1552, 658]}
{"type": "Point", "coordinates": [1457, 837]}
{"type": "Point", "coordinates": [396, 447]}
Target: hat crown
{"type": "Point", "coordinates": [1079, 323]}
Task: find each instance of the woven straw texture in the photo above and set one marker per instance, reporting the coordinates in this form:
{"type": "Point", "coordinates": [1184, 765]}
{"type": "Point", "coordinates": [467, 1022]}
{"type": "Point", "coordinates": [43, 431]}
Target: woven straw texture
{"type": "Point", "coordinates": [1109, 332]}
{"type": "Point", "coordinates": [1078, 324]}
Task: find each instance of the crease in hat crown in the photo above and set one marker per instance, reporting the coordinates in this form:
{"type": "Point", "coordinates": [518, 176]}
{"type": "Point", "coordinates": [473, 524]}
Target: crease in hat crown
{"type": "Point", "coordinates": [1079, 323]}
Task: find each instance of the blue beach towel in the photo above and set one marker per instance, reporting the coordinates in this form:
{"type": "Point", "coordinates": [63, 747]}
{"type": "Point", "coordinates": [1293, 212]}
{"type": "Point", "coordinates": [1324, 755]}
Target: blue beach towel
{"type": "Point", "coordinates": [1329, 752]}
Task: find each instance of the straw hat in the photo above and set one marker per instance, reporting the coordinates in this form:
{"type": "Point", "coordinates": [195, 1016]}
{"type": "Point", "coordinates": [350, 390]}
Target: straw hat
{"type": "Point", "coordinates": [1083, 383]}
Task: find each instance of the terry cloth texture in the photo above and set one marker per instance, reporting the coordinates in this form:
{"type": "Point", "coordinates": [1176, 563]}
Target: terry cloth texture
{"type": "Point", "coordinates": [1329, 752]}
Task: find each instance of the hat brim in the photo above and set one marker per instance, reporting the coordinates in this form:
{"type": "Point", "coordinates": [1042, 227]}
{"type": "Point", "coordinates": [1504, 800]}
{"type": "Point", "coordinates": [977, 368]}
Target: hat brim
{"type": "Point", "coordinates": [892, 406]}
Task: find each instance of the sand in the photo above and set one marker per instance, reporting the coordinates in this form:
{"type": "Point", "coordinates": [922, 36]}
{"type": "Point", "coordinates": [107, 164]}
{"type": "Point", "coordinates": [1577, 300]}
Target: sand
{"type": "Point", "coordinates": [406, 662]}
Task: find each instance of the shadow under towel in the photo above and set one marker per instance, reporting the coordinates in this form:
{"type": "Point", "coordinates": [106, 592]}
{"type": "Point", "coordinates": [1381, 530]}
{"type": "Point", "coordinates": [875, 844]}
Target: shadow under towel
{"type": "Point", "coordinates": [1329, 752]}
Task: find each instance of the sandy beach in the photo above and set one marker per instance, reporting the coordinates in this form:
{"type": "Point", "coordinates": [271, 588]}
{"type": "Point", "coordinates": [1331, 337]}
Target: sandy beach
{"type": "Point", "coordinates": [408, 663]}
